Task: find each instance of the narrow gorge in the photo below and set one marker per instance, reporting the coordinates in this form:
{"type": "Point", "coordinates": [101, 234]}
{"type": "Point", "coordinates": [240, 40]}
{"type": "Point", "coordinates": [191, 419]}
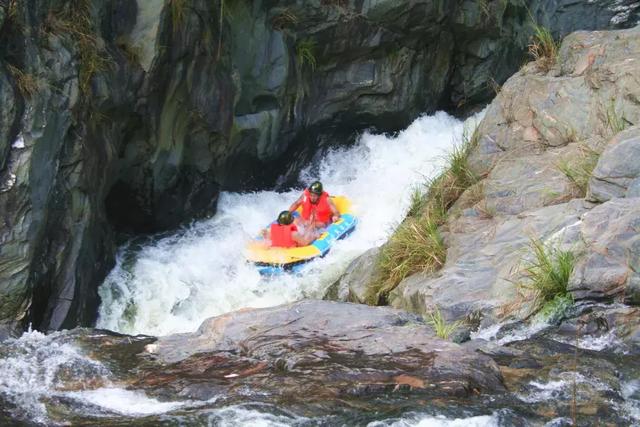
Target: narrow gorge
{"type": "Point", "coordinates": [491, 150]}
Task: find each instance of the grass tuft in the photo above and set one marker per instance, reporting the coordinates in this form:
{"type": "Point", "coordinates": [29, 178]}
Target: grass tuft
{"type": "Point", "coordinates": [76, 20]}
{"type": "Point", "coordinates": [418, 201]}
{"type": "Point", "coordinates": [284, 19]}
{"type": "Point", "coordinates": [417, 245]}
{"type": "Point", "coordinates": [549, 272]}
{"type": "Point", "coordinates": [616, 122]}
{"type": "Point", "coordinates": [27, 84]}
{"type": "Point", "coordinates": [305, 53]}
{"type": "Point", "coordinates": [440, 326]}
{"type": "Point", "coordinates": [579, 169]}
{"type": "Point", "coordinates": [543, 48]}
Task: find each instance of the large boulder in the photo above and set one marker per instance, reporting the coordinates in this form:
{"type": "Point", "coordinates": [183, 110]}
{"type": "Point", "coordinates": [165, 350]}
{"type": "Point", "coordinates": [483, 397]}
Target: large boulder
{"type": "Point", "coordinates": [353, 285]}
{"type": "Point", "coordinates": [538, 120]}
{"type": "Point", "coordinates": [617, 173]}
{"type": "Point", "coordinates": [610, 267]}
{"type": "Point", "coordinates": [341, 349]}
{"type": "Point", "coordinates": [484, 264]}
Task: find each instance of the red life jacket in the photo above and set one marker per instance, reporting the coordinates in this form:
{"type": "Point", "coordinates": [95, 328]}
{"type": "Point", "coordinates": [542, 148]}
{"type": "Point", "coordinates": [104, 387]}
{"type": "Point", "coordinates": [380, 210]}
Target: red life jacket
{"type": "Point", "coordinates": [322, 210]}
{"type": "Point", "coordinates": [281, 235]}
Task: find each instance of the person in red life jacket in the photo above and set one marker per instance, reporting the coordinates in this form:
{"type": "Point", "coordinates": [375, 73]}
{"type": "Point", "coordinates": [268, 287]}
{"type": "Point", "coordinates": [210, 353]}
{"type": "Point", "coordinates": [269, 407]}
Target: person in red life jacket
{"type": "Point", "coordinates": [318, 211]}
{"type": "Point", "coordinates": [284, 233]}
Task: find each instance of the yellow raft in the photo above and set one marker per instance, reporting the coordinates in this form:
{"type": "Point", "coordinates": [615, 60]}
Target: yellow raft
{"type": "Point", "coordinates": [277, 260]}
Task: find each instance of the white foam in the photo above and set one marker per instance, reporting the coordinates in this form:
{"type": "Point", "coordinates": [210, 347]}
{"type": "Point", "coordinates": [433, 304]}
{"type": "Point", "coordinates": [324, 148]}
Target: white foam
{"type": "Point", "coordinates": [519, 333]}
{"type": "Point", "coordinates": [125, 402]}
{"type": "Point", "coordinates": [175, 283]}
{"type": "Point", "coordinates": [19, 142]}
{"type": "Point", "coordinates": [602, 342]}
{"type": "Point", "coordinates": [439, 421]}
{"type": "Point", "coordinates": [560, 388]}
{"type": "Point", "coordinates": [31, 370]}
{"type": "Point", "coordinates": [238, 415]}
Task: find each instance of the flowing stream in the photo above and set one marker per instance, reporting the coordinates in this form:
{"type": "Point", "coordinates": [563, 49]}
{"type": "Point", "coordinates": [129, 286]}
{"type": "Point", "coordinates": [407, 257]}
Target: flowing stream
{"type": "Point", "coordinates": [173, 283]}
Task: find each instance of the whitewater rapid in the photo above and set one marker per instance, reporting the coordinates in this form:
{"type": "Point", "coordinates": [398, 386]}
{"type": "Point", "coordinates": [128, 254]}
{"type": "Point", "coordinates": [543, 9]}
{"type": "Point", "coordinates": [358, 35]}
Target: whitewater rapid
{"type": "Point", "coordinates": [171, 284]}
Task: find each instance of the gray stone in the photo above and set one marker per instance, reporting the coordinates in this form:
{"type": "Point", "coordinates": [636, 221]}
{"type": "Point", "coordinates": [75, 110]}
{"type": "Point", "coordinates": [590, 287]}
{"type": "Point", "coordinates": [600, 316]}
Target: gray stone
{"type": "Point", "coordinates": [610, 266]}
{"type": "Point", "coordinates": [353, 284]}
{"type": "Point", "coordinates": [634, 189]}
{"type": "Point", "coordinates": [521, 183]}
{"type": "Point", "coordinates": [484, 263]}
{"type": "Point", "coordinates": [371, 344]}
{"type": "Point", "coordinates": [618, 169]}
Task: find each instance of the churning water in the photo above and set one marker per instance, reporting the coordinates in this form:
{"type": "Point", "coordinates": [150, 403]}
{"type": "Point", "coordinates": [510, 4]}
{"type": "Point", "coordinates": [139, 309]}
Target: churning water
{"type": "Point", "coordinates": [171, 284]}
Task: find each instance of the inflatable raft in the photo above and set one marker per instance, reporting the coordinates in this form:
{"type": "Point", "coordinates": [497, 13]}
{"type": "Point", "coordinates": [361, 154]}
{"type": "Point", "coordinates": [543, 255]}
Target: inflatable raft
{"type": "Point", "coordinates": [272, 261]}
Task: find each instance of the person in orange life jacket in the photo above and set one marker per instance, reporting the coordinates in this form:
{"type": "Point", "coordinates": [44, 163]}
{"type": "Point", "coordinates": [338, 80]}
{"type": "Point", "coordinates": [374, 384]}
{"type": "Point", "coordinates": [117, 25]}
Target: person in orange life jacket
{"type": "Point", "coordinates": [284, 233]}
{"type": "Point", "coordinates": [318, 211]}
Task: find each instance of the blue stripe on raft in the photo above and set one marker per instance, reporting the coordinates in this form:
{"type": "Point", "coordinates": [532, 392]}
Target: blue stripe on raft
{"type": "Point", "coordinates": [336, 231]}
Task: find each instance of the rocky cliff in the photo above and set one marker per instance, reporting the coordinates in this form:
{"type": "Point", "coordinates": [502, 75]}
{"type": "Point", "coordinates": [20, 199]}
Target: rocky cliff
{"type": "Point", "coordinates": [556, 158]}
{"type": "Point", "coordinates": [132, 115]}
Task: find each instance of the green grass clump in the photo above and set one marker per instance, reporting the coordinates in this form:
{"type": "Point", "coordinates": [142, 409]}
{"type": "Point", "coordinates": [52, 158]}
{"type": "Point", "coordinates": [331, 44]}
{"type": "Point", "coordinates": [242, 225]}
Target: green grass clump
{"type": "Point", "coordinates": [178, 13]}
{"type": "Point", "coordinates": [417, 245]}
{"type": "Point", "coordinates": [440, 326]}
{"type": "Point", "coordinates": [579, 169]}
{"type": "Point", "coordinates": [543, 48]}
{"type": "Point", "coordinates": [418, 201]}
{"type": "Point", "coordinates": [27, 84]}
{"type": "Point", "coordinates": [616, 122]}
{"type": "Point", "coordinates": [284, 19]}
{"type": "Point", "coordinates": [549, 272]}
{"type": "Point", "coordinates": [305, 53]}
{"type": "Point", "coordinates": [76, 20]}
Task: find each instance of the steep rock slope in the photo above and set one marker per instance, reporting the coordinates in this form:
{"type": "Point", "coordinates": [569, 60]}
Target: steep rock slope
{"type": "Point", "coordinates": [534, 148]}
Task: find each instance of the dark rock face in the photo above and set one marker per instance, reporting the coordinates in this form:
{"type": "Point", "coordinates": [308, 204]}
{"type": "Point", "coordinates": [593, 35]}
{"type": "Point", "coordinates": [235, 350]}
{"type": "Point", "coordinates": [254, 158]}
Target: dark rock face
{"type": "Point", "coordinates": [132, 115]}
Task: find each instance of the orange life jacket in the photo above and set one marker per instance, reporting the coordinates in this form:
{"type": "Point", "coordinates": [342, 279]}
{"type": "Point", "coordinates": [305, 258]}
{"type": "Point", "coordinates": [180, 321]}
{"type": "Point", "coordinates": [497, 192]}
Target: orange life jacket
{"type": "Point", "coordinates": [321, 210]}
{"type": "Point", "coordinates": [281, 235]}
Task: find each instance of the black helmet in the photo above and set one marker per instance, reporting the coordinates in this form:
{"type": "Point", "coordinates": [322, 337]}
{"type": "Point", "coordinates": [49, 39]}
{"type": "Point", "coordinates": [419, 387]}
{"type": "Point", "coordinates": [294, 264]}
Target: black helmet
{"type": "Point", "coordinates": [316, 188]}
{"type": "Point", "coordinates": [285, 218]}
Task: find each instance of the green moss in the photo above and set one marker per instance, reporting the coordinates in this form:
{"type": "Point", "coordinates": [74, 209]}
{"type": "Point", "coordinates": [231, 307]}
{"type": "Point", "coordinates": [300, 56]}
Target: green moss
{"type": "Point", "coordinates": [555, 309]}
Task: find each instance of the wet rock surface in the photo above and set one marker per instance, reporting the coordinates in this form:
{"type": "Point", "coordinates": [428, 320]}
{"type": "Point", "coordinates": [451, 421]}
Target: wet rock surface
{"type": "Point", "coordinates": [348, 349]}
{"type": "Point", "coordinates": [318, 362]}
{"type": "Point", "coordinates": [353, 284]}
